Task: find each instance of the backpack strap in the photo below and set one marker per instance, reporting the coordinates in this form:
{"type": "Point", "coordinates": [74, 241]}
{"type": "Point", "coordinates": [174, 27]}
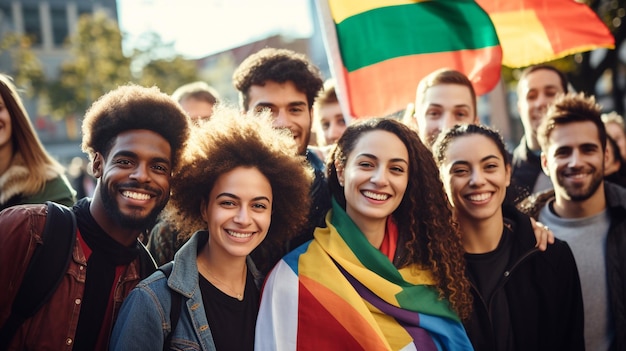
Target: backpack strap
{"type": "Point", "coordinates": [175, 308]}
{"type": "Point", "coordinates": [45, 271]}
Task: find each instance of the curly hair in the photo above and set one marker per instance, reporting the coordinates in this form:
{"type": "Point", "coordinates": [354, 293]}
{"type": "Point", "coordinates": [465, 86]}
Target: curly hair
{"type": "Point", "coordinates": [425, 224]}
{"type": "Point", "coordinates": [227, 141]}
{"type": "Point", "coordinates": [134, 107]}
{"type": "Point", "coordinates": [440, 148]}
{"type": "Point", "coordinates": [278, 65]}
{"type": "Point", "coordinates": [570, 108]}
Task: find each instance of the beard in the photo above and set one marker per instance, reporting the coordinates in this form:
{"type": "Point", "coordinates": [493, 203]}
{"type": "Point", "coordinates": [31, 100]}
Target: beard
{"type": "Point", "coordinates": [579, 194]}
{"type": "Point", "coordinates": [133, 222]}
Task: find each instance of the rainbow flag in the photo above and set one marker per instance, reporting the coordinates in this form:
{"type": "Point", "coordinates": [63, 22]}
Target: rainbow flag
{"type": "Point", "coordinates": [338, 292]}
{"type": "Point", "coordinates": [535, 31]}
{"type": "Point", "coordinates": [379, 50]}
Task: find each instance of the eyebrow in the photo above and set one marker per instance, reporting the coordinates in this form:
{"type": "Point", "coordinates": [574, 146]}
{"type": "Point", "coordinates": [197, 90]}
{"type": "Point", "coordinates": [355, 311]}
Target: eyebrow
{"type": "Point", "coordinates": [376, 158]}
{"type": "Point", "coordinates": [440, 105]}
{"type": "Point", "coordinates": [233, 196]}
{"type": "Point", "coordinates": [271, 104]}
{"type": "Point", "coordinates": [126, 153]}
{"type": "Point", "coordinates": [486, 158]}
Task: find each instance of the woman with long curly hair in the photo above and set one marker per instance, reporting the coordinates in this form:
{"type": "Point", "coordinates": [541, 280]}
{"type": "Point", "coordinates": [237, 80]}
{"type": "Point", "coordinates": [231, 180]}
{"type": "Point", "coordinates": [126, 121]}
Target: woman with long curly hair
{"type": "Point", "coordinates": [241, 187]}
{"type": "Point", "coordinates": [387, 271]}
{"type": "Point", "coordinates": [523, 298]}
{"type": "Point", "coordinates": [28, 174]}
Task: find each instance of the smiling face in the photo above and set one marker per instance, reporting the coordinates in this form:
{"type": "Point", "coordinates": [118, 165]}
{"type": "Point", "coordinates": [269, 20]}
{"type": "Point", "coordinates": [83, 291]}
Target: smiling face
{"type": "Point", "coordinates": [375, 177]}
{"type": "Point", "coordinates": [535, 94]}
{"type": "Point", "coordinates": [134, 180]}
{"type": "Point", "coordinates": [442, 107]}
{"type": "Point", "coordinates": [288, 106]}
{"type": "Point", "coordinates": [5, 125]}
{"type": "Point", "coordinates": [475, 177]}
{"type": "Point", "coordinates": [574, 160]}
{"type": "Point", "coordinates": [238, 212]}
{"type": "Point", "coordinates": [332, 122]}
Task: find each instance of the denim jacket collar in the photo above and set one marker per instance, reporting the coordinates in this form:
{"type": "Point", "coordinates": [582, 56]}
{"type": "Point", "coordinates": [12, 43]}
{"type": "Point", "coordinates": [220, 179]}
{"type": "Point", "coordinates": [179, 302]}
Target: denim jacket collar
{"type": "Point", "coordinates": [184, 277]}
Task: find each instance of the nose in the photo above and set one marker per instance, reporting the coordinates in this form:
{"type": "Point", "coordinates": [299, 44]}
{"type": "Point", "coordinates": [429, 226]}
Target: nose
{"type": "Point", "coordinates": [334, 133]}
{"type": "Point", "coordinates": [281, 119]}
{"type": "Point", "coordinates": [542, 101]}
{"type": "Point", "coordinates": [379, 178]}
{"type": "Point", "coordinates": [477, 179]}
{"type": "Point", "coordinates": [140, 173]}
{"type": "Point", "coordinates": [243, 217]}
{"type": "Point", "coordinates": [574, 159]}
{"type": "Point", "coordinates": [447, 121]}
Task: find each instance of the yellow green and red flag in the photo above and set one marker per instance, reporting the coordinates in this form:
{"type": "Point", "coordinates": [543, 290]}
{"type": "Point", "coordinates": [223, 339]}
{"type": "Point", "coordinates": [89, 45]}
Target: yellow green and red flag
{"type": "Point", "coordinates": [535, 31]}
{"type": "Point", "coordinates": [379, 50]}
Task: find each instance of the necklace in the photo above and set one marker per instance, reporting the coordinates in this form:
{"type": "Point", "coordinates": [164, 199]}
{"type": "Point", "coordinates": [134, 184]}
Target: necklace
{"type": "Point", "coordinates": [231, 291]}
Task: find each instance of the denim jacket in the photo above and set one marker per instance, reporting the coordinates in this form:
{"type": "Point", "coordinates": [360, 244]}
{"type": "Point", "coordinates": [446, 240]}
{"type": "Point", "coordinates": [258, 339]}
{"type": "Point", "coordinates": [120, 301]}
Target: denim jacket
{"type": "Point", "coordinates": [144, 320]}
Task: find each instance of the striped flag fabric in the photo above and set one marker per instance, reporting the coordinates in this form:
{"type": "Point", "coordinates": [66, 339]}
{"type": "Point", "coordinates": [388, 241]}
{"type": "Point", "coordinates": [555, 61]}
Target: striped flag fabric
{"type": "Point", "coordinates": [379, 50]}
{"type": "Point", "coordinates": [338, 292]}
{"type": "Point", "coordinates": [535, 31]}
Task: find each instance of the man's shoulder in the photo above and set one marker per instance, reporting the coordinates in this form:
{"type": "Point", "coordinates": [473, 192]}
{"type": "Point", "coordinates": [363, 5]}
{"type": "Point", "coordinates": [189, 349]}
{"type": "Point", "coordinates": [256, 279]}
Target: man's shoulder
{"type": "Point", "coordinates": [615, 195]}
{"type": "Point", "coordinates": [23, 211]}
{"type": "Point", "coordinates": [533, 204]}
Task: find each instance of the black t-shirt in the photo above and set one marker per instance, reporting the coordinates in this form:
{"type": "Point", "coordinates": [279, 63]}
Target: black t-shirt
{"type": "Point", "coordinates": [487, 272]}
{"type": "Point", "coordinates": [232, 322]}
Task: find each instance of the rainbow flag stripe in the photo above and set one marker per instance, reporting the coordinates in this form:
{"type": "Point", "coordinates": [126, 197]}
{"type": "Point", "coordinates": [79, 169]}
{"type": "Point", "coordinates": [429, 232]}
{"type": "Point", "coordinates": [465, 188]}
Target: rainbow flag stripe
{"type": "Point", "coordinates": [535, 31]}
{"type": "Point", "coordinates": [338, 292]}
{"type": "Point", "coordinates": [382, 49]}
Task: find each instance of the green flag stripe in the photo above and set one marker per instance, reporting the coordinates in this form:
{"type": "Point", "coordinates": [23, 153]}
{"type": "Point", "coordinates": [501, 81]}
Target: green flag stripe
{"type": "Point", "coordinates": [426, 27]}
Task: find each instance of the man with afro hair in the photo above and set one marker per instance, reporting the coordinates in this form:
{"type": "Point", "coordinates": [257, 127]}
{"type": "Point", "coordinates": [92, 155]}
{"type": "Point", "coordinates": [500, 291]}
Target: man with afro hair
{"type": "Point", "coordinates": [134, 137]}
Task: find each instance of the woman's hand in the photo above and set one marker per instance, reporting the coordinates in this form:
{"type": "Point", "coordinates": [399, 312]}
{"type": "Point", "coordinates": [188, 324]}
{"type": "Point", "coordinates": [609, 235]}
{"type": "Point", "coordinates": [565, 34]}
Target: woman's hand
{"type": "Point", "coordinates": [543, 235]}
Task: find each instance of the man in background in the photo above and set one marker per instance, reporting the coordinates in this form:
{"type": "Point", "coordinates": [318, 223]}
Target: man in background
{"type": "Point", "coordinates": [287, 83]}
{"type": "Point", "coordinates": [444, 98]}
{"type": "Point", "coordinates": [197, 99]}
{"type": "Point", "coordinates": [537, 88]}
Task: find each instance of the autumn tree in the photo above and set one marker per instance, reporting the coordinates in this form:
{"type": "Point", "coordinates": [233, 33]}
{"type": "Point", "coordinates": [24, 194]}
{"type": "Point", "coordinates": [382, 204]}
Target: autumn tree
{"type": "Point", "coordinates": [26, 69]}
{"type": "Point", "coordinates": [99, 65]}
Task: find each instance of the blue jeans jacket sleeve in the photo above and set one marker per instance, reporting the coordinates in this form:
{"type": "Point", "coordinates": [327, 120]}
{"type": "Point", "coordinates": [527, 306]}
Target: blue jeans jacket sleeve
{"type": "Point", "coordinates": [141, 322]}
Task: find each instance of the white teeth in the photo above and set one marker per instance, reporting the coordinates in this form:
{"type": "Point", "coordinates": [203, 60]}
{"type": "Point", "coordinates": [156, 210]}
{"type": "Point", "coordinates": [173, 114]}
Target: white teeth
{"type": "Point", "coordinates": [136, 196]}
{"type": "Point", "coordinates": [579, 175]}
{"type": "Point", "coordinates": [372, 195]}
{"type": "Point", "coordinates": [239, 235]}
{"type": "Point", "coordinates": [479, 197]}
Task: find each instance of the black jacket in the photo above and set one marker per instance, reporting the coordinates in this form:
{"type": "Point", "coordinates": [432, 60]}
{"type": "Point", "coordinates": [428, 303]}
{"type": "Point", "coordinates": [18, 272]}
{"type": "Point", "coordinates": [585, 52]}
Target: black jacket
{"type": "Point", "coordinates": [543, 293]}
{"type": "Point", "coordinates": [526, 167]}
{"type": "Point", "coordinates": [615, 252]}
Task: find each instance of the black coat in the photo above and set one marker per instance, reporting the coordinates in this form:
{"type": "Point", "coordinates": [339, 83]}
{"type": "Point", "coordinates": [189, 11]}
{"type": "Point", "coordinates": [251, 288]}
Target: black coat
{"type": "Point", "coordinates": [543, 293]}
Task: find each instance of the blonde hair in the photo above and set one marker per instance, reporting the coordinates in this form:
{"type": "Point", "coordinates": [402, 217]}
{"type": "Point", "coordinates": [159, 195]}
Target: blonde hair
{"type": "Point", "coordinates": [25, 141]}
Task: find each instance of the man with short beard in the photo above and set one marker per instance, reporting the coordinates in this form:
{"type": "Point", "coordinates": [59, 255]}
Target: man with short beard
{"type": "Point", "coordinates": [587, 212]}
{"type": "Point", "coordinates": [134, 137]}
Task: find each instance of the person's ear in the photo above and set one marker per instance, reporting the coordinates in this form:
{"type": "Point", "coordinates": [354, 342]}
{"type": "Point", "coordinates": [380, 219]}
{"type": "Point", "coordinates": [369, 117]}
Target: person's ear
{"type": "Point", "coordinates": [97, 165]}
{"type": "Point", "coordinates": [204, 210]}
{"type": "Point", "coordinates": [340, 173]}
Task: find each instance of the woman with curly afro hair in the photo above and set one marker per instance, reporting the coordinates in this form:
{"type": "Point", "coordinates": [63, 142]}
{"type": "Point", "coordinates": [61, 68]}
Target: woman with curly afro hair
{"type": "Point", "coordinates": [387, 271]}
{"type": "Point", "coordinates": [241, 187]}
